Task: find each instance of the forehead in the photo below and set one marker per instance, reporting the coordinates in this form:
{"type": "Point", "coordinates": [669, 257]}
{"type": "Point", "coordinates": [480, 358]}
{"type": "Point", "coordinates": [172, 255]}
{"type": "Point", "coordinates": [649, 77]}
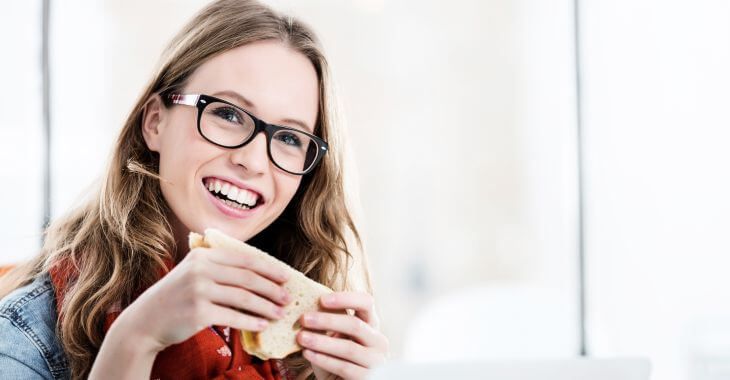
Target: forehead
{"type": "Point", "coordinates": [279, 82]}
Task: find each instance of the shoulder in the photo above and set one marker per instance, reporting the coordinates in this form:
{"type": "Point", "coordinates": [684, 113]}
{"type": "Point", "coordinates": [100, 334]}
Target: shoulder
{"type": "Point", "coordinates": [28, 342]}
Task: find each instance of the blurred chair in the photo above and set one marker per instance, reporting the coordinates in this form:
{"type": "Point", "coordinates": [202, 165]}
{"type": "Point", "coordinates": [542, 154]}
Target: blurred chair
{"type": "Point", "coordinates": [493, 322]}
{"type": "Point", "coordinates": [5, 269]}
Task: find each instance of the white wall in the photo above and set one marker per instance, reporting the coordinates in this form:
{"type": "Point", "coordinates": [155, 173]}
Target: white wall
{"type": "Point", "coordinates": [656, 117]}
{"type": "Point", "coordinates": [21, 126]}
{"type": "Point", "coordinates": [499, 86]}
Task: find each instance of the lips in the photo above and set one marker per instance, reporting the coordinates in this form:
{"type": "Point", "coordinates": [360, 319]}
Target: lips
{"type": "Point", "coordinates": [232, 198]}
{"type": "Point", "coordinates": [233, 192]}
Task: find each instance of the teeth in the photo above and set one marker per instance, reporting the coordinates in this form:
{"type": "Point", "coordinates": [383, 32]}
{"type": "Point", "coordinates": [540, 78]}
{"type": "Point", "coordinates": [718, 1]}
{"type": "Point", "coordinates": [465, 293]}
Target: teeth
{"type": "Point", "coordinates": [234, 204]}
{"type": "Point", "coordinates": [243, 197]}
{"type": "Point", "coordinates": [233, 193]}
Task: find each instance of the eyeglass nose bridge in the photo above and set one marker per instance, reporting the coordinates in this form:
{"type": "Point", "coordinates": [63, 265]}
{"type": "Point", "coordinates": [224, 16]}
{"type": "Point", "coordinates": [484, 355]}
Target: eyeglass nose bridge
{"type": "Point", "coordinates": [258, 127]}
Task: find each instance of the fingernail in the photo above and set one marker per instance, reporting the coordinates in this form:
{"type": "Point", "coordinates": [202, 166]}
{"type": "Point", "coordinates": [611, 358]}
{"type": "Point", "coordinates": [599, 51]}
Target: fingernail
{"type": "Point", "coordinates": [262, 323]}
{"type": "Point", "coordinates": [309, 318]}
{"type": "Point", "coordinates": [285, 297]}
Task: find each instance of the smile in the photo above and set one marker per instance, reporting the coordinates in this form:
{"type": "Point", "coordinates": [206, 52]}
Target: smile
{"type": "Point", "coordinates": [232, 196]}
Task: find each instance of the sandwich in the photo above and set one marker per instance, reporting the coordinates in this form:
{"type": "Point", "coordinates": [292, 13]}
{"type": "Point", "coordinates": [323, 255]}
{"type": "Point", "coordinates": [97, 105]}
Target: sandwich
{"type": "Point", "coordinates": [278, 340]}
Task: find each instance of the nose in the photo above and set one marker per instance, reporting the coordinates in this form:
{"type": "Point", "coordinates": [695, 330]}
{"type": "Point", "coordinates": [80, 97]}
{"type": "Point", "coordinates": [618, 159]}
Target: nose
{"type": "Point", "coordinates": [252, 156]}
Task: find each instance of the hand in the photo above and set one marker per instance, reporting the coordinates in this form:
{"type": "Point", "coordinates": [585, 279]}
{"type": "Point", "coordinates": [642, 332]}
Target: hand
{"type": "Point", "coordinates": [340, 344]}
{"type": "Point", "coordinates": [208, 287]}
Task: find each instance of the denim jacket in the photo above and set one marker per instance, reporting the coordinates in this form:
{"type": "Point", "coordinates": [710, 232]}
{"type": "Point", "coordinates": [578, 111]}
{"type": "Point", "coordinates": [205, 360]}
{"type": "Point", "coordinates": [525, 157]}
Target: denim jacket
{"type": "Point", "coordinates": [29, 347]}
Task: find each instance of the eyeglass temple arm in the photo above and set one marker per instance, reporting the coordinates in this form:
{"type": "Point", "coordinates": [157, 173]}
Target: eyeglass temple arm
{"type": "Point", "coordinates": [188, 100]}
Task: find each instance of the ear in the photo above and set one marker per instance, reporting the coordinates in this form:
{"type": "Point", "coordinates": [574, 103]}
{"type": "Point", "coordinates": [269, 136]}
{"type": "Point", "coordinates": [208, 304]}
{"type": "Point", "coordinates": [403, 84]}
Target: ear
{"type": "Point", "coordinates": [153, 115]}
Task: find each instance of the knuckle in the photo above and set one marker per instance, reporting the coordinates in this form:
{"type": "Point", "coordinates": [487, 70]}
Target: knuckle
{"type": "Point", "coordinates": [197, 268]}
{"type": "Point", "coordinates": [347, 371]}
{"type": "Point", "coordinates": [358, 326]}
{"type": "Point", "coordinates": [337, 366]}
{"type": "Point", "coordinates": [195, 254]}
{"type": "Point", "coordinates": [246, 261]}
{"type": "Point", "coordinates": [197, 311]}
{"type": "Point", "coordinates": [199, 289]}
{"type": "Point", "coordinates": [245, 298]}
{"type": "Point", "coordinates": [351, 349]}
{"type": "Point", "coordinates": [246, 279]}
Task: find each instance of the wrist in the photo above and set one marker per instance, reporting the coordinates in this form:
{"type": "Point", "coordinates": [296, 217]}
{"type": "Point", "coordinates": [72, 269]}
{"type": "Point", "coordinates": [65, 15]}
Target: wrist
{"type": "Point", "coordinates": [131, 337]}
{"type": "Point", "coordinates": [125, 353]}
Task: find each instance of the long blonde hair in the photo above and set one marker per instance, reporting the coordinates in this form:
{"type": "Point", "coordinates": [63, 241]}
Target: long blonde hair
{"type": "Point", "coordinates": [119, 239]}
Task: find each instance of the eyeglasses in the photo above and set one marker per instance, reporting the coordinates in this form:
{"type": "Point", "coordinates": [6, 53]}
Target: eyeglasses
{"type": "Point", "coordinates": [229, 126]}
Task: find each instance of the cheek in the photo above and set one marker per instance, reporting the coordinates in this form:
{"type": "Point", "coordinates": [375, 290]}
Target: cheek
{"type": "Point", "coordinates": [181, 156]}
{"type": "Point", "coordinates": [181, 153]}
{"type": "Point", "coordinates": [286, 187]}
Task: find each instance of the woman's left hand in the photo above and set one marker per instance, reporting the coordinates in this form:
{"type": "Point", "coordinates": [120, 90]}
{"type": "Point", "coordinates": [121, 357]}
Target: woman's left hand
{"type": "Point", "coordinates": [354, 344]}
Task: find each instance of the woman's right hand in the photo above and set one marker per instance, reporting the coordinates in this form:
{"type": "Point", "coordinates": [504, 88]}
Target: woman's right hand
{"type": "Point", "coordinates": [208, 287]}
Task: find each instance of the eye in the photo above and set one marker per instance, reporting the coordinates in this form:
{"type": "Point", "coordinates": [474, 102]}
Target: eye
{"type": "Point", "coordinates": [289, 138]}
{"type": "Point", "coordinates": [228, 114]}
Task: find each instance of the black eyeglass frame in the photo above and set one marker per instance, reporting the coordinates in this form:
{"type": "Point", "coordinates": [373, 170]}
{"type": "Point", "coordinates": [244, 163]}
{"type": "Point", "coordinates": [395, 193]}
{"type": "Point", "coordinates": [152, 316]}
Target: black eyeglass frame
{"type": "Point", "coordinates": [200, 101]}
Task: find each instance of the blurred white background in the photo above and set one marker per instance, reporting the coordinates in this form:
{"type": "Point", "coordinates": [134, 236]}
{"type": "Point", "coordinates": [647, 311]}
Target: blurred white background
{"type": "Point", "coordinates": [462, 116]}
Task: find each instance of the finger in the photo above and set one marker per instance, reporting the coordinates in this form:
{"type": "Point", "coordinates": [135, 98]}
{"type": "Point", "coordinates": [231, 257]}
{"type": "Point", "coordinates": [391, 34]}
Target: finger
{"type": "Point", "coordinates": [346, 324]}
{"type": "Point", "coordinates": [225, 316]}
{"type": "Point", "coordinates": [245, 301]}
{"type": "Point", "coordinates": [248, 261]}
{"type": "Point", "coordinates": [249, 280]}
{"type": "Point", "coordinates": [341, 348]}
{"type": "Point", "coordinates": [334, 365]}
{"type": "Point", "coordinates": [361, 302]}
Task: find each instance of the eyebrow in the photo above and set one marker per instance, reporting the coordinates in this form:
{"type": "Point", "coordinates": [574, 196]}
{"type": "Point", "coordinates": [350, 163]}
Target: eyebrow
{"type": "Point", "coordinates": [242, 99]}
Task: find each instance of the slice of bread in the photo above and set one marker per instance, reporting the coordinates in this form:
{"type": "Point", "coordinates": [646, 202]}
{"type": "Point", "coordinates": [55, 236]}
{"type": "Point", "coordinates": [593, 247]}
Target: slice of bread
{"type": "Point", "coordinates": [278, 340]}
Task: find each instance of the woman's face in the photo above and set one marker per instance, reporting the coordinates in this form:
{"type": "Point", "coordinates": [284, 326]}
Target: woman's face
{"type": "Point", "coordinates": [273, 82]}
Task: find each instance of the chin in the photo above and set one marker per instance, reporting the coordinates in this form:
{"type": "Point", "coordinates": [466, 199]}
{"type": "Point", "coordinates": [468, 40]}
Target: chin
{"type": "Point", "coordinates": [242, 233]}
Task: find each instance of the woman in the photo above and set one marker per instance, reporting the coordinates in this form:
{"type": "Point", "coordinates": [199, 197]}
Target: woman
{"type": "Point", "coordinates": [115, 291]}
